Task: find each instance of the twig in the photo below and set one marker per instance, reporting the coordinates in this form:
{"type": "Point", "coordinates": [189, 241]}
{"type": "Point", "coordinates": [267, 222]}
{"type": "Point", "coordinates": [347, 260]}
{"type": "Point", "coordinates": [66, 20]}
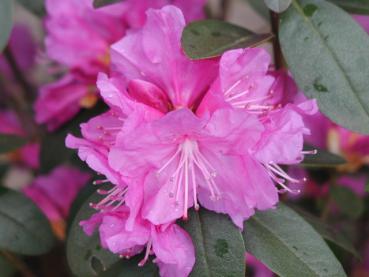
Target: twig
{"type": "Point", "coordinates": [278, 59]}
{"type": "Point", "coordinates": [17, 263]}
{"type": "Point", "coordinates": [225, 4]}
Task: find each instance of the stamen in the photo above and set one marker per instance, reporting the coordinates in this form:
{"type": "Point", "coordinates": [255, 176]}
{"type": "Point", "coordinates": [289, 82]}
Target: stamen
{"type": "Point", "coordinates": [190, 164]}
{"type": "Point", "coordinates": [147, 254]}
{"type": "Point", "coordinates": [275, 170]}
{"type": "Point", "coordinates": [115, 198]}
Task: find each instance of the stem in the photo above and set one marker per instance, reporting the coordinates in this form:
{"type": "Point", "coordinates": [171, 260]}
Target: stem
{"type": "Point", "coordinates": [17, 263]}
{"type": "Point", "coordinates": [225, 4]}
{"type": "Point", "coordinates": [278, 59]}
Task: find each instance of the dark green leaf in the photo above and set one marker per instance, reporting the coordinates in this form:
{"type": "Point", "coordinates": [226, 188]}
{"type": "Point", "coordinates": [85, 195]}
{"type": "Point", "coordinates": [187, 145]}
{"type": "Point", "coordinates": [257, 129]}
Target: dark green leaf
{"type": "Point", "coordinates": [125, 268]}
{"type": "Point", "coordinates": [6, 270]}
{"type": "Point", "coordinates": [278, 6]}
{"type": "Point", "coordinates": [35, 6]}
{"type": "Point", "coordinates": [353, 6]}
{"type": "Point", "coordinates": [328, 232]}
{"type": "Point", "coordinates": [23, 228]}
{"type": "Point", "coordinates": [288, 245]}
{"type": "Point", "coordinates": [211, 38]}
{"type": "Point", "coordinates": [101, 3]}
{"type": "Point", "coordinates": [6, 21]}
{"type": "Point", "coordinates": [347, 201]}
{"type": "Point", "coordinates": [53, 149]}
{"type": "Point", "coordinates": [9, 143]}
{"type": "Point", "coordinates": [218, 243]}
{"type": "Point", "coordinates": [85, 255]}
{"type": "Point", "coordinates": [328, 54]}
{"type": "Point", "coordinates": [321, 159]}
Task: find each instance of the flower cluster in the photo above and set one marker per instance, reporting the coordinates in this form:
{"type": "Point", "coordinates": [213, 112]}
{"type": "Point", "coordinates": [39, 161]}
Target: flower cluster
{"type": "Point", "coordinates": [182, 134]}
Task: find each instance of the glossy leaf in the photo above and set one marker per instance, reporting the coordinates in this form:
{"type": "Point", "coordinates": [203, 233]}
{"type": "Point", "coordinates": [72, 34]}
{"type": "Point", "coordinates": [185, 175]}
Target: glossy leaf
{"type": "Point", "coordinates": [84, 254]}
{"type": "Point", "coordinates": [211, 38]}
{"type": "Point", "coordinates": [218, 243]}
{"type": "Point", "coordinates": [288, 245]}
{"type": "Point", "coordinates": [353, 6]}
{"type": "Point", "coordinates": [23, 228]}
{"type": "Point", "coordinates": [321, 159]}
{"type": "Point", "coordinates": [10, 143]}
{"type": "Point", "coordinates": [278, 6]}
{"type": "Point", "coordinates": [6, 21]}
{"type": "Point", "coordinates": [328, 54]}
{"type": "Point", "coordinates": [328, 232]}
{"type": "Point", "coordinates": [35, 6]}
{"type": "Point", "coordinates": [347, 201]}
{"type": "Point", "coordinates": [101, 3]}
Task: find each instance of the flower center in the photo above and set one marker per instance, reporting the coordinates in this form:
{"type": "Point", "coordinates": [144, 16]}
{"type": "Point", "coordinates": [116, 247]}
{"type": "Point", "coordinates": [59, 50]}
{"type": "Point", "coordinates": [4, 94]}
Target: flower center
{"type": "Point", "coordinates": [191, 167]}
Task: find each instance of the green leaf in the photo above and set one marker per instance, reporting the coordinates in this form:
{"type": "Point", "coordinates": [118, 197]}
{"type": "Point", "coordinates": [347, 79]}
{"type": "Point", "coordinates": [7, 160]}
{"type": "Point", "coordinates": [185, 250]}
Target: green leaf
{"type": "Point", "coordinates": [288, 245]}
{"type": "Point", "coordinates": [36, 7]}
{"type": "Point", "coordinates": [130, 268]}
{"type": "Point", "coordinates": [218, 243]}
{"type": "Point", "coordinates": [84, 254]}
{"type": "Point", "coordinates": [328, 54]}
{"type": "Point", "coordinates": [278, 6]}
{"type": "Point", "coordinates": [53, 149]}
{"type": "Point", "coordinates": [211, 38]}
{"type": "Point", "coordinates": [328, 232]}
{"type": "Point", "coordinates": [321, 159]}
{"type": "Point", "coordinates": [6, 270]}
{"type": "Point", "coordinates": [23, 228]}
{"type": "Point", "coordinates": [353, 6]}
{"type": "Point", "coordinates": [6, 21]}
{"type": "Point", "coordinates": [10, 143]}
{"type": "Point", "coordinates": [347, 201]}
{"type": "Point", "coordinates": [102, 3]}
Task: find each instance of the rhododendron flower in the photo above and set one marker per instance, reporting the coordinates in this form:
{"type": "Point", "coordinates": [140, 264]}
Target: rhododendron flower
{"type": "Point", "coordinates": [55, 192]}
{"type": "Point", "coordinates": [28, 154]}
{"type": "Point", "coordinates": [182, 134]}
{"type": "Point", "coordinates": [171, 245]}
{"type": "Point", "coordinates": [71, 26]}
{"type": "Point", "coordinates": [186, 153]}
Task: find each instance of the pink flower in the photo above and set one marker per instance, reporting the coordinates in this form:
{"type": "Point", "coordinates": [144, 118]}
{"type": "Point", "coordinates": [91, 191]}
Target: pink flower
{"type": "Point", "coordinates": [71, 26]}
{"type": "Point", "coordinates": [27, 155]}
{"type": "Point", "coordinates": [171, 245]}
{"type": "Point", "coordinates": [185, 151]}
{"type": "Point", "coordinates": [181, 134]}
{"type": "Point", "coordinates": [257, 268]}
{"type": "Point", "coordinates": [55, 192]}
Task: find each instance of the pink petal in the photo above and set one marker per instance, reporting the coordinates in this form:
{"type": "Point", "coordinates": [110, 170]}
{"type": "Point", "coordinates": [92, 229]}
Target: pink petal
{"type": "Point", "coordinates": [175, 254]}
